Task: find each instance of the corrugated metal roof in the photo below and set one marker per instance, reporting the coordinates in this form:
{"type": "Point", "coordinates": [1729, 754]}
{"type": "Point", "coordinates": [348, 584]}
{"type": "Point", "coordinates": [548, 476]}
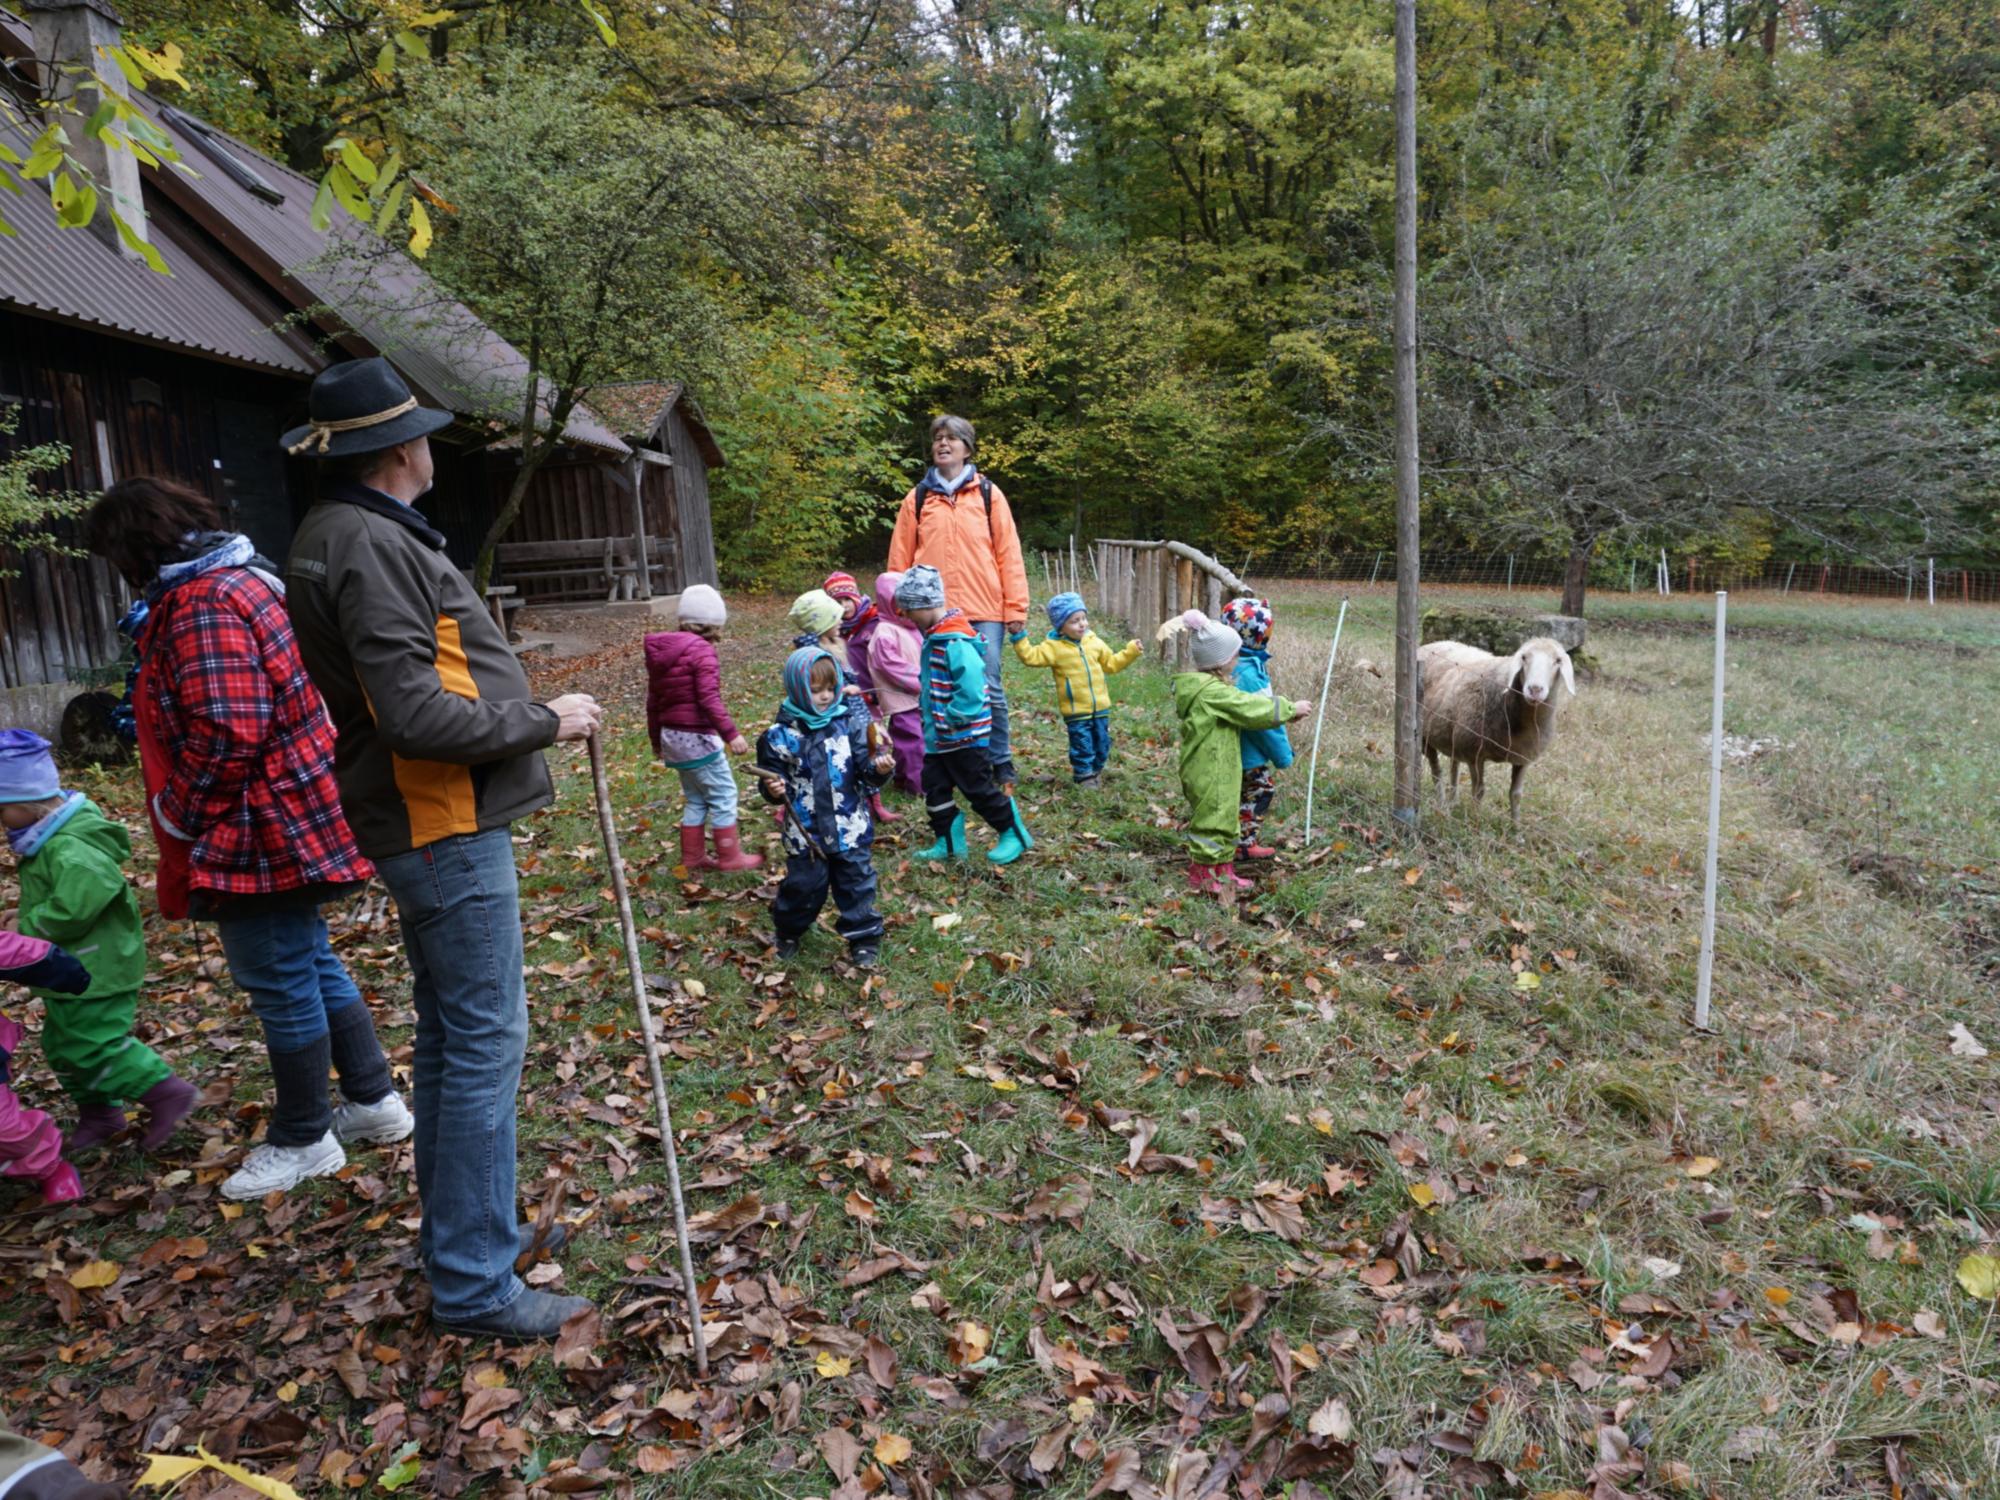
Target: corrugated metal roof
{"type": "Point", "coordinates": [74, 275]}
{"type": "Point", "coordinates": [443, 349]}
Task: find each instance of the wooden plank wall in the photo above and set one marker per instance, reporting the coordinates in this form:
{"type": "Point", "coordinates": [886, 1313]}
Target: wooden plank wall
{"type": "Point", "coordinates": [571, 501]}
{"type": "Point", "coordinates": [691, 500]}
{"type": "Point", "coordinates": [58, 616]}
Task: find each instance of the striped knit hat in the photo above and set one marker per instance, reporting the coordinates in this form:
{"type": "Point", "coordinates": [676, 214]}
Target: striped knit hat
{"type": "Point", "coordinates": [842, 586]}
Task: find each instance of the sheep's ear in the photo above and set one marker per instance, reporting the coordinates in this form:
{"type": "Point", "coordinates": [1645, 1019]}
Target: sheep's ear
{"type": "Point", "coordinates": [1568, 671]}
{"type": "Point", "coordinates": [1519, 662]}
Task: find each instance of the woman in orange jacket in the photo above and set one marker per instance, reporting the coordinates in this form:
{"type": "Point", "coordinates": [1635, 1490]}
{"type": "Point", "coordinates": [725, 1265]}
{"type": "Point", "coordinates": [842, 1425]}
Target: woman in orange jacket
{"type": "Point", "coordinates": [959, 522]}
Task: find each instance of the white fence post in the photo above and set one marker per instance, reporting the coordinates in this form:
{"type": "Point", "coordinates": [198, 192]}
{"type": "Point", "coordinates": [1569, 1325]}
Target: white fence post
{"type": "Point", "coordinates": [1312, 771]}
{"type": "Point", "coordinates": [1930, 579]}
{"type": "Point", "coordinates": [1707, 972]}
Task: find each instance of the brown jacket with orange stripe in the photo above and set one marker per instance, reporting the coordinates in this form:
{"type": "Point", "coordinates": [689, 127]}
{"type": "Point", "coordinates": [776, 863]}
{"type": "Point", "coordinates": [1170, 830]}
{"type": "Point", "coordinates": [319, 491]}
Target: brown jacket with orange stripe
{"type": "Point", "coordinates": [438, 733]}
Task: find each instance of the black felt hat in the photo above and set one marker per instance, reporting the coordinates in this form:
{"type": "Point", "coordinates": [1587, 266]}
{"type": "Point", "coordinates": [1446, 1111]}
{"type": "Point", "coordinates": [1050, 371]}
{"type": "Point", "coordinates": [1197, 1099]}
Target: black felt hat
{"type": "Point", "coordinates": [360, 407]}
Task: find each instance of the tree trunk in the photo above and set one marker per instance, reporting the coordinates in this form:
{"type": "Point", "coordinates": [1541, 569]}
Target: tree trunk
{"type": "Point", "coordinates": [504, 518]}
{"type": "Point", "coordinates": [1575, 573]}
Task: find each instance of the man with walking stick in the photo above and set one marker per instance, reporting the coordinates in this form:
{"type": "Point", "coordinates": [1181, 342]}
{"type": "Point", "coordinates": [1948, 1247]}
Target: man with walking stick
{"type": "Point", "coordinates": [440, 750]}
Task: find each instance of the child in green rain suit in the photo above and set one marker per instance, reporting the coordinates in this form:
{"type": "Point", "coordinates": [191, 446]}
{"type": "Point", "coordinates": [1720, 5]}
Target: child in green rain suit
{"type": "Point", "coordinates": [74, 892]}
{"type": "Point", "coordinates": [1214, 716]}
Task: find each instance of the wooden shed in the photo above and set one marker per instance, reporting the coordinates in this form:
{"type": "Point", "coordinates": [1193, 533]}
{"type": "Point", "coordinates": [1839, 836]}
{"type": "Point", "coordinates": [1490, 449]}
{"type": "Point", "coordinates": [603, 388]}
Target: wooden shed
{"type": "Point", "coordinates": [650, 508]}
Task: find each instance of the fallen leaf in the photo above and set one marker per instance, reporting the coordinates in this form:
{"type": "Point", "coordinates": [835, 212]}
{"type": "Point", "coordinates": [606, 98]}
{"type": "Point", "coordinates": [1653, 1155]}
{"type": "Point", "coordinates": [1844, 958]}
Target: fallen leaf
{"type": "Point", "coordinates": [1701, 1166]}
{"type": "Point", "coordinates": [97, 1273]}
{"type": "Point", "coordinates": [944, 921]}
{"type": "Point", "coordinates": [1332, 1420]}
{"type": "Point", "coordinates": [1964, 1043]}
{"type": "Point", "coordinates": [970, 1343]}
{"type": "Point", "coordinates": [1980, 1276]}
{"type": "Point", "coordinates": [831, 1366]}
{"type": "Point", "coordinates": [891, 1449]}
{"type": "Point", "coordinates": [169, 1469]}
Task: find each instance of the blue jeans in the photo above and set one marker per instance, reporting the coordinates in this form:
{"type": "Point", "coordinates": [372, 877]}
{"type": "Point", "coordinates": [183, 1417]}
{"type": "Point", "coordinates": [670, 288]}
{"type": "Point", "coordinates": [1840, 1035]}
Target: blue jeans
{"type": "Point", "coordinates": [711, 794]}
{"type": "Point", "coordinates": [1089, 743]}
{"type": "Point", "coordinates": [460, 906]}
{"type": "Point", "coordinates": [999, 749]}
{"type": "Point", "coordinates": [295, 981]}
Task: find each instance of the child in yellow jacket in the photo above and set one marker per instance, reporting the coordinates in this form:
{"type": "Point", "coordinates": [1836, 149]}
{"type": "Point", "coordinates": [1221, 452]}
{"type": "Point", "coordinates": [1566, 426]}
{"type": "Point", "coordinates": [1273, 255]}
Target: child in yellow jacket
{"type": "Point", "coordinates": [1082, 665]}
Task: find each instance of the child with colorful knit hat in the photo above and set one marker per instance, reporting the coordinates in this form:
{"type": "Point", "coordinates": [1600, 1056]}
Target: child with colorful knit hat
{"type": "Point", "coordinates": [1082, 665]}
{"type": "Point", "coordinates": [74, 892]}
{"type": "Point", "coordinates": [958, 722]}
{"type": "Point", "coordinates": [1265, 751]}
{"type": "Point", "coordinates": [1214, 715]}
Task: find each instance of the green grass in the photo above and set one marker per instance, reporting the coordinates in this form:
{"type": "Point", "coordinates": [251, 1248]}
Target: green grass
{"type": "Point", "coordinates": [1523, 1061]}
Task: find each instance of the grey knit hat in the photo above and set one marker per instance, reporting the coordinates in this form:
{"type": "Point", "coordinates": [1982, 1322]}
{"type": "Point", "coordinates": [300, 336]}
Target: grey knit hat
{"type": "Point", "coordinates": [923, 588]}
{"type": "Point", "coordinates": [1213, 643]}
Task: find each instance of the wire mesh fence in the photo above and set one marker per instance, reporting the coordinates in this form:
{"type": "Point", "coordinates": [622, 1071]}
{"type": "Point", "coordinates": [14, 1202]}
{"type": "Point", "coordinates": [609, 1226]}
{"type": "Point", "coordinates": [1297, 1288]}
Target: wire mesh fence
{"type": "Point", "coordinates": [1918, 581]}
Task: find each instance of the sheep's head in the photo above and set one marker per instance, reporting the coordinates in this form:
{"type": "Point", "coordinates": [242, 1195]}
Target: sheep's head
{"type": "Point", "coordinates": [1536, 666]}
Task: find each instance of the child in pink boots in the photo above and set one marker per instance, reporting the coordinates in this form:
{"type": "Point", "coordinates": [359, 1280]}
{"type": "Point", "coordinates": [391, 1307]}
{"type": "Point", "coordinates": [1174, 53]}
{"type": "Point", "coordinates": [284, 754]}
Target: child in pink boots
{"type": "Point", "coordinates": [30, 1144]}
{"type": "Point", "coordinates": [693, 733]}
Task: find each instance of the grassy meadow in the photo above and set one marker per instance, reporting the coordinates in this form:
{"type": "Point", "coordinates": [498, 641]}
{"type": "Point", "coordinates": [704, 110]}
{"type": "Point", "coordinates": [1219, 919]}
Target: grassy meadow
{"type": "Point", "coordinates": [1405, 1176]}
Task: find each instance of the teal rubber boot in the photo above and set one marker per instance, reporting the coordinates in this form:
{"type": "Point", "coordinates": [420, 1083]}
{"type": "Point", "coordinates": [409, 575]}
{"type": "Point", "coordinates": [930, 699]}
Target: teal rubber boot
{"type": "Point", "coordinates": [950, 843]}
{"type": "Point", "coordinates": [1015, 842]}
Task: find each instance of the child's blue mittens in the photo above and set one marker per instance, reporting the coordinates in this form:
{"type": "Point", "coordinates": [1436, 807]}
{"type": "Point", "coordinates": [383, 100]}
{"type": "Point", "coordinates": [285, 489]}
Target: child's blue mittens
{"type": "Point", "coordinates": [1017, 637]}
{"type": "Point", "coordinates": [56, 970]}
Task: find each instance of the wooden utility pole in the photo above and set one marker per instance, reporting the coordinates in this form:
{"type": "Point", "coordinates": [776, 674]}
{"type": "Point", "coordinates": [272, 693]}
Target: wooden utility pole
{"type": "Point", "coordinates": [1407, 780]}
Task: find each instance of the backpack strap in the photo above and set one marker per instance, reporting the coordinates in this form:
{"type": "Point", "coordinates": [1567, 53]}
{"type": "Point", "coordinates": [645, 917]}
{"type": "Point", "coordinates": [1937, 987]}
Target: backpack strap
{"type": "Point", "coordinates": [924, 492]}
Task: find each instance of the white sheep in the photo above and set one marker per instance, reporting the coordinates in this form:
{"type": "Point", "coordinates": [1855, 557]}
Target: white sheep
{"type": "Point", "coordinates": [1477, 707]}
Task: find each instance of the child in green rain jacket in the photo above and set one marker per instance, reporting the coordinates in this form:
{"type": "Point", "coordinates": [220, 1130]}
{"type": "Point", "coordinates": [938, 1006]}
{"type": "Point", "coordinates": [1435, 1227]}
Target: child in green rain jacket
{"type": "Point", "coordinates": [74, 892]}
{"type": "Point", "coordinates": [1214, 716]}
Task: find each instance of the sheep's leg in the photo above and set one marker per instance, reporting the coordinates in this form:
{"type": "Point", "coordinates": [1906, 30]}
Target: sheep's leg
{"type": "Point", "coordinates": [1514, 794]}
{"type": "Point", "coordinates": [1454, 777]}
{"type": "Point", "coordinates": [1431, 755]}
{"type": "Point", "coordinates": [1478, 781]}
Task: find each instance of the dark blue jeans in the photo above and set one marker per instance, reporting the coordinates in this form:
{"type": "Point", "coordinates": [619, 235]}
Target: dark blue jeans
{"type": "Point", "coordinates": [460, 905]}
{"type": "Point", "coordinates": [1089, 743]}
{"type": "Point", "coordinates": [802, 895]}
{"type": "Point", "coordinates": [295, 981]}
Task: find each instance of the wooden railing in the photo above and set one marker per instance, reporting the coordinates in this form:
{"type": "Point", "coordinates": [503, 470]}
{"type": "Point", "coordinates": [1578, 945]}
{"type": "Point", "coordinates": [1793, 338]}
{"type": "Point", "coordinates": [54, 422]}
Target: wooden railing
{"type": "Point", "coordinates": [1142, 583]}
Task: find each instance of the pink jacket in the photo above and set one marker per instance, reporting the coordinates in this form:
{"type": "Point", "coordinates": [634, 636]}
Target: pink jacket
{"type": "Point", "coordinates": [895, 651]}
{"type": "Point", "coordinates": [684, 687]}
{"type": "Point", "coordinates": [18, 950]}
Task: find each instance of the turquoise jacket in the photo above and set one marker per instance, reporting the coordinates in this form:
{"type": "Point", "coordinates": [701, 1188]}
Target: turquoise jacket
{"type": "Point", "coordinates": [1261, 747]}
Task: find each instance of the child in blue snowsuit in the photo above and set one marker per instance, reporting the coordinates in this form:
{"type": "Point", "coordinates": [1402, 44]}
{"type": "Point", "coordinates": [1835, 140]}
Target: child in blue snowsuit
{"type": "Point", "coordinates": [816, 761]}
{"type": "Point", "coordinates": [1265, 751]}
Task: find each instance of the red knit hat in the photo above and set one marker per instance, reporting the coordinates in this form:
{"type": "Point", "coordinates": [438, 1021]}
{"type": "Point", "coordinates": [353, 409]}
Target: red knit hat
{"type": "Point", "coordinates": [842, 586]}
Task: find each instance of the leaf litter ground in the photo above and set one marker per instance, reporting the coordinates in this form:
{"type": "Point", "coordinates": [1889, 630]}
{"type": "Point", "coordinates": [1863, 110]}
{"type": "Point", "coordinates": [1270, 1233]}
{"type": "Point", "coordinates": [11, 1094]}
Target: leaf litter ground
{"type": "Point", "coordinates": [1402, 1177]}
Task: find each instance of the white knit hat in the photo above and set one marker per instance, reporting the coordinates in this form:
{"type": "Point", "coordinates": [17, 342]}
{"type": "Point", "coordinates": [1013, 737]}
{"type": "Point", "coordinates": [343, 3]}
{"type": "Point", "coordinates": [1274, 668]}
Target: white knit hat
{"type": "Point", "coordinates": [702, 605]}
{"type": "Point", "coordinates": [1214, 643]}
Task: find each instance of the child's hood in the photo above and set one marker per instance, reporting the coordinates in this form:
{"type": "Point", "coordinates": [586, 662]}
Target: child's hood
{"type": "Point", "coordinates": [954, 623]}
{"type": "Point", "coordinates": [885, 603]}
{"type": "Point", "coordinates": [665, 647]}
{"type": "Point", "coordinates": [93, 828]}
{"type": "Point", "coordinates": [1190, 688]}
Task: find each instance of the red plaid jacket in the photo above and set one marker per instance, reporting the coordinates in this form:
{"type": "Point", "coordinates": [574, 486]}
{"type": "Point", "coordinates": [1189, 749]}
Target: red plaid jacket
{"type": "Point", "coordinates": [240, 783]}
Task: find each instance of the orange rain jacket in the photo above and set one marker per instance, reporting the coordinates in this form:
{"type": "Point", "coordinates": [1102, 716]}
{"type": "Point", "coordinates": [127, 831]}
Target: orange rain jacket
{"type": "Point", "coordinates": [978, 554]}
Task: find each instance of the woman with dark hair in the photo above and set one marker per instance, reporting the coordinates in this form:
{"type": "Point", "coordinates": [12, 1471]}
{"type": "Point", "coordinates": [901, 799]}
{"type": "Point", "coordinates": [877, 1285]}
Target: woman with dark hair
{"type": "Point", "coordinates": [237, 753]}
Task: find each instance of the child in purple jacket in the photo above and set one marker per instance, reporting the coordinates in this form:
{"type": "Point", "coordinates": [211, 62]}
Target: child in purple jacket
{"type": "Point", "coordinates": [690, 728]}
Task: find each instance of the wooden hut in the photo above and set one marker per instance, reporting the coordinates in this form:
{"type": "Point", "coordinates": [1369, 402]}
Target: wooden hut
{"type": "Point", "coordinates": [648, 514]}
{"type": "Point", "coordinates": [193, 376]}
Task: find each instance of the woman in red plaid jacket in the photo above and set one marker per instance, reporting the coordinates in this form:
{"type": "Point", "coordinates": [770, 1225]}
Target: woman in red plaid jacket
{"type": "Point", "coordinates": [237, 754]}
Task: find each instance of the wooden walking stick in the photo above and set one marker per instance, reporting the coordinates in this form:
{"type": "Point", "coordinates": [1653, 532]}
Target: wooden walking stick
{"type": "Point", "coordinates": [1312, 773]}
{"type": "Point", "coordinates": [608, 827]}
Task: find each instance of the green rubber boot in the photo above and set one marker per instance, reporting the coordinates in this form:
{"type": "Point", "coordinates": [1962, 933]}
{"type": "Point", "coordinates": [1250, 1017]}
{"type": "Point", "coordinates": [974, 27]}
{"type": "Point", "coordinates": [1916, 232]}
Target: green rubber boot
{"type": "Point", "coordinates": [950, 843]}
{"type": "Point", "coordinates": [1015, 842]}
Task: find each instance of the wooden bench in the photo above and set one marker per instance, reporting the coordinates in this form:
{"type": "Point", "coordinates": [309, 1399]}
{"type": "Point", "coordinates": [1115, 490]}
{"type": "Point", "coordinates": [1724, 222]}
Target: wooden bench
{"type": "Point", "coordinates": [587, 565]}
{"type": "Point", "coordinates": [502, 600]}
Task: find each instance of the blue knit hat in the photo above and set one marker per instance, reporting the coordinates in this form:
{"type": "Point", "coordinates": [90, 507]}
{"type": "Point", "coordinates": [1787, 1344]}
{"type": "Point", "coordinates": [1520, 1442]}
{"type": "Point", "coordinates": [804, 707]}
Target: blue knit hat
{"type": "Point", "coordinates": [27, 770]}
{"type": "Point", "coordinates": [1062, 607]}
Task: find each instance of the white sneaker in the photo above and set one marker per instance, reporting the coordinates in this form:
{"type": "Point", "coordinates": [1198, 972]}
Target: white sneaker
{"type": "Point", "coordinates": [279, 1169]}
{"type": "Point", "coordinates": [385, 1121]}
